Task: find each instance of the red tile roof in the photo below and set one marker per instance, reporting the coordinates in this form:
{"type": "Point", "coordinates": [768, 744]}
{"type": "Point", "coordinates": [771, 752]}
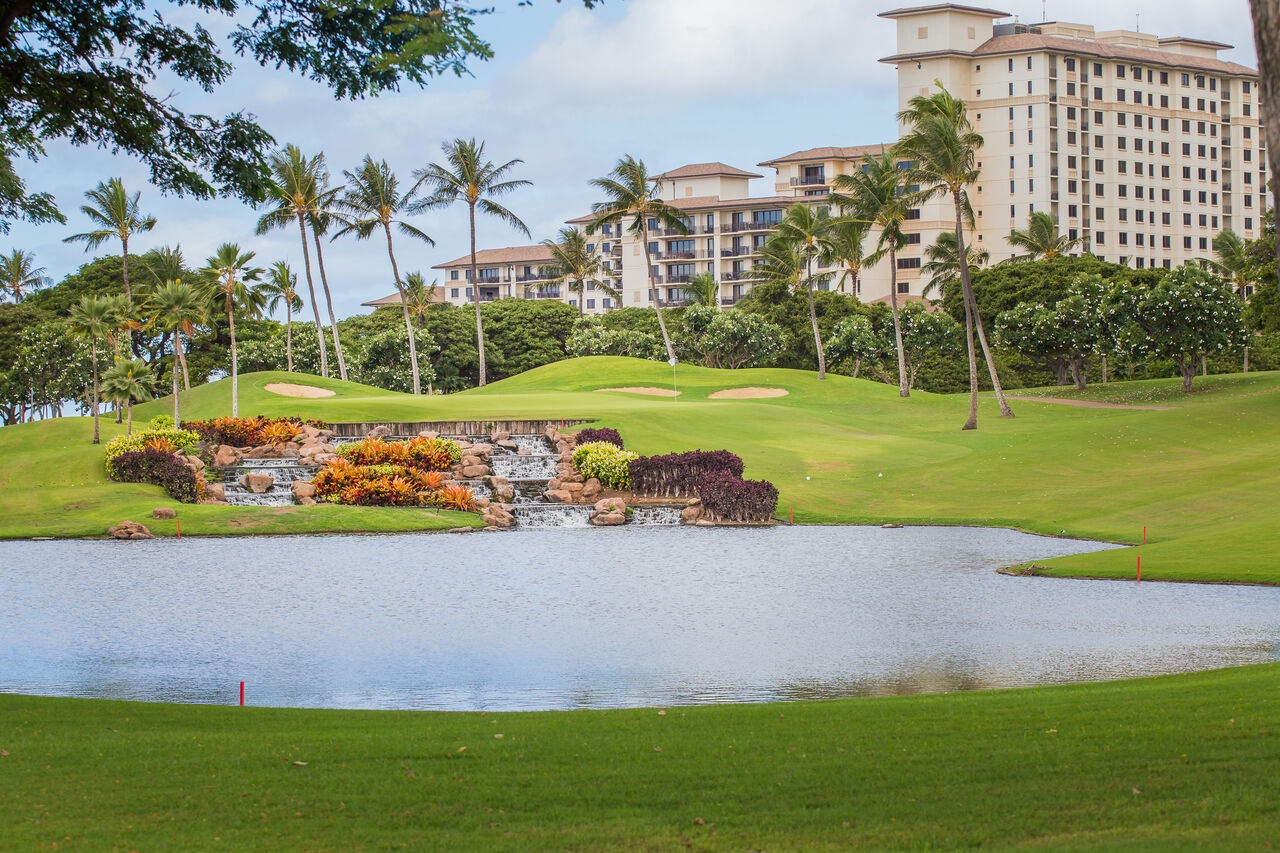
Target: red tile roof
{"type": "Point", "coordinates": [510, 255]}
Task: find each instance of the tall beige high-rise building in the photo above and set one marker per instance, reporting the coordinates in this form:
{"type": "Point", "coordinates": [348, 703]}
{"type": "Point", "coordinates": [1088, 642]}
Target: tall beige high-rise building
{"type": "Point", "coordinates": [1143, 147]}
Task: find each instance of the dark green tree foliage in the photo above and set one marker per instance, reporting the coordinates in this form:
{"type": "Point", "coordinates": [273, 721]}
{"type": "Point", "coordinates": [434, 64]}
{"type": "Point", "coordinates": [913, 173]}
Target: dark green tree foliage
{"type": "Point", "coordinates": [382, 359]}
{"type": "Point", "coordinates": [86, 72]}
{"type": "Point", "coordinates": [727, 339]}
{"type": "Point", "coordinates": [789, 310]}
{"type": "Point", "coordinates": [1002, 287]}
{"type": "Point", "coordinates": [1263, 311]}
{"type": "Point", "coordinates": [528, 333]}
{"type": "Point", "coordinates": [49, 366]}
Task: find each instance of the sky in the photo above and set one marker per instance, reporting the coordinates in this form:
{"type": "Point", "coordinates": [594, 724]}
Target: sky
{"type": "Point", "coordinates": [569, 92]}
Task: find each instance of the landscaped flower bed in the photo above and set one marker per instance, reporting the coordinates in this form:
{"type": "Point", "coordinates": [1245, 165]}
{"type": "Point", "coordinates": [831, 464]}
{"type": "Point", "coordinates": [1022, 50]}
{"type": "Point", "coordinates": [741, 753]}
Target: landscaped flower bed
{"type": "Point", "coordinates": [394, 473]}
{"type": "Point", "coordinates": [250, 432]}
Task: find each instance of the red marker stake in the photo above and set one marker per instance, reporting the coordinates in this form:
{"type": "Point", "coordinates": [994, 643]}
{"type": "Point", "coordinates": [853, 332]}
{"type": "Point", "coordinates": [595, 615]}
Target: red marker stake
{"type": "Point", "coordinates": [791, 515]}
{"type": "Point", "coordinates": [1144, 534]}
{"type": "Point", "coordinates": [179, 523]}
{"type": "Point", "coordinates": [242, 694]}
{"type": "Point", "coordinates": [1139, 567]}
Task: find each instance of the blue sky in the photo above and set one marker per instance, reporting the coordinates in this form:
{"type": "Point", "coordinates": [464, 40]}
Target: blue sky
{"type": "Point", "coordinates": [569, 91]}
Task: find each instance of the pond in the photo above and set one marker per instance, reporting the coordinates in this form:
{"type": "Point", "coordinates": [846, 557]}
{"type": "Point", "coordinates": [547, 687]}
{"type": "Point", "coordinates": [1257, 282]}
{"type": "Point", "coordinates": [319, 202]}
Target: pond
{"type": "Point", "coordinates": [552, 619]}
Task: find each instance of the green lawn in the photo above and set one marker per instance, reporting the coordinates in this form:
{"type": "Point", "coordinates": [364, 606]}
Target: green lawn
{"type": "Point", "coordinates": [1200, 477]}
{"type": "Point", "coordinates": [1185, 762]}
{"type": "Point", "coordinates": [1173, 763]}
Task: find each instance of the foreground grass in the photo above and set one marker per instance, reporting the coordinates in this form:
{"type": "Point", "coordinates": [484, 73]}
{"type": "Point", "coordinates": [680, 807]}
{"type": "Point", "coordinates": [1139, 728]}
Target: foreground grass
{"type": "Point", "coordinates": [1200, 477]}
{"type": "Point", "coordinates": [1185, 762]}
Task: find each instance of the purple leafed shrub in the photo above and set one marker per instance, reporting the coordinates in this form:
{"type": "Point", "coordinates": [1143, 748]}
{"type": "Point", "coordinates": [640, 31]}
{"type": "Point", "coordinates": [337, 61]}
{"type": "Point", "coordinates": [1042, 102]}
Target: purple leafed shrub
{"type": "Point", "coordinates": [159, 469]}
{"type": "Point", "coordinates": [729, 498]}
{"type": "Point", "coordinates": [678, 474]}
{"type": "Point", "coordinates": [591, 434]}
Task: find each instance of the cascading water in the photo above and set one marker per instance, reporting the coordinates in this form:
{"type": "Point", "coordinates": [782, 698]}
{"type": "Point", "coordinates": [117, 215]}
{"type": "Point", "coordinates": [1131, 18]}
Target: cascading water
{"type": "Point", "coordinates": [283, 473]}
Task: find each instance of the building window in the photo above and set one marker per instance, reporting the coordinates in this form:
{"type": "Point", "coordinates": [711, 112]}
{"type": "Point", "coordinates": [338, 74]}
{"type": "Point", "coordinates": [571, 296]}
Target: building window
{"type": "Point", "coordinates": [453, 294]}
{"type": "Point", "coordinates": [1071, 64]}
{"type": "Point", "coordinates": [913, 213]}
{"type": "Point", "coordinates": [908, 263]}
{"type": "Point", "coordinates": [1099, 238]}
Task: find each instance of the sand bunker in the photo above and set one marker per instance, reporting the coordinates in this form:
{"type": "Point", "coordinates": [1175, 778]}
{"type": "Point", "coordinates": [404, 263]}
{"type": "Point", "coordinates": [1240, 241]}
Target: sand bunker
{"type": "Point", "coordinates": [288, 389]}
{"type": "Point", "coordinates": [748, 393]}
{"type": "Point", "coordinates": [652, 392]}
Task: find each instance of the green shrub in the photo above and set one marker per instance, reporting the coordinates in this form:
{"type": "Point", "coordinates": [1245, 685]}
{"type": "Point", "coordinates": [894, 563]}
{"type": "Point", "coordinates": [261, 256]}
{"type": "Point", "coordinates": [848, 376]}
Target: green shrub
{"type": "Point", "coordinates": [165, 440]}
{"type": "Point", "coordinates": [606, 462]}
{"type": "Point", "coordinates": [161, 422]}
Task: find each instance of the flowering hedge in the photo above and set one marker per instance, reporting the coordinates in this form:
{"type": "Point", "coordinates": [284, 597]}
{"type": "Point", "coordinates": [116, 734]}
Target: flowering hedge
{"type": "Point", "coordinates": [606, 462]}
{"type": "Point", "coordinates": [592, 434]}
{"type": "Point", "coordinates": [159, 468]}
{"type": "Point", "coordinates": [387, 484]}
{"type": "Point", "coordinates": [727, 497]}
{"type": "Point", "coordinates": [678, 474]}
{"type": "Point", "coordinates": [423, 454]}
{"type": "Point", "coordinates": [167, 441]}
{"type": "Point", "coordinates": [248, 432]}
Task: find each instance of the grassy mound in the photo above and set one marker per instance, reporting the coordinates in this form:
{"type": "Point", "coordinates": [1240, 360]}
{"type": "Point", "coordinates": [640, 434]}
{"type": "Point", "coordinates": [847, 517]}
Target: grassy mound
{"type": "Point", "coordinates": [1199, 477]}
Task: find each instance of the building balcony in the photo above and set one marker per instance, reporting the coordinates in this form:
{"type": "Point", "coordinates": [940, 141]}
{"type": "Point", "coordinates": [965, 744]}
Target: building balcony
{"type": "Point", "coordinates": [735, 227]}
{"type": "Point", "coordinates": [809, 181]}
{"type": "Point", "coordinates": [736, 252]}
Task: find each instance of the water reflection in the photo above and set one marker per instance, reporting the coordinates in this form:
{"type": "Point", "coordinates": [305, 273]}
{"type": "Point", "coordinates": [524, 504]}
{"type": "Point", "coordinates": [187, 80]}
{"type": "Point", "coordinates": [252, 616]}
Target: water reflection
{"type": "Point", "coordinates": [593, 618]}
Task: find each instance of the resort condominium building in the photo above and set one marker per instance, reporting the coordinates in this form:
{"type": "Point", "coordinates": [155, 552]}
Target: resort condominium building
{"type": "Point", "coordinates": [1144, 147]}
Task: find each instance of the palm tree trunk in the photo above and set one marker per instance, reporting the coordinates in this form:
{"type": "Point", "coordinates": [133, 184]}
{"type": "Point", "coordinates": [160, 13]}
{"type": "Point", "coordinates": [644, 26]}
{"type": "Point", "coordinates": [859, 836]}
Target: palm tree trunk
{"type": "Point", "coordinates": [966, 291]}
{"type": "Point", "coordinates": [967, 284]}
{"type": "Point", "coordinates": [315, 306]}
{"type": "Point", "coordinates": [288, 336]}
{"type": "Point", "coordinates": [904, 385]}
{"type": "Point", "coordinates": [328, 299]}
{"type": "Point", "coordinates": [128, 430]}
{"type": "Point", "coordinates": [582, 298]}
{"type": "Point", "coordinates": [177, 415]}
{"type": "Point", "coordinates": [235, 379]}
{"type": "Point", "coordinates": [404, 307]}
{"type": "Point", "coordinates": [1266, 37]}
{"type": "Point", "coordinates": [475, 290]}
{"type": "Point", "coordinates": [653, 291]}
{"type": "Point", "coordinates": [93, 350]}
{"type": "Point", "coordinates": [813, 321]}
{"type": "Point", "coordinates": [124, 271]}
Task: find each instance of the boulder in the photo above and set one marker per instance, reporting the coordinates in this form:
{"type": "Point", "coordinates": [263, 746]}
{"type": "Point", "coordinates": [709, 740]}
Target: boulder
{"type": "Point", "coordinates": [381, 431]}
{"type": "Point", "coordinates": [258, 484]}
{"type": "Point", "coordinates": [215, 493]}
{"type": "Point", "coordinates": [558, 496]}
{"type": "Point", "coordinates": [426, 433]}
{"type": "Point", "coordinates": [497, 437]}
{"type": "Point", "coordinates": [310, 432]}
{"type": "Point", "coordinates": [505, 492]}
{"type": "Point", "coordinates": [609, 505]}
{"type": "Point", "coordinates": [574, 489]}
{"type": "Point", "coordinates": [475, 472]}
{"type": "Point", "coordinates": [691, 514]}
{"type": "Point", "coordinates": [591, 489]}
{"type": "Point", "coordinates": [554, 484]}
{"type": "Point", "coordinates": [303, 490]}
{"type": "Point", "coordinates": [484, 451]}
{"type": "Point", "coordinates": [130, 530]}
{"type": "Point", "coordinates": [483, 503]}
{"type": "Point", "coordinates": [609, 519]}
{"type": "Point", "coordinates": [224, 455]}
{"type": "Point", "coordinates": [306, 501]}
{"type": "Point", "coordinates": [164, 512]}
{"type": "Point", "coordinates": [508, 445]}
{"type": "Point", "coordinates": [195, 463]}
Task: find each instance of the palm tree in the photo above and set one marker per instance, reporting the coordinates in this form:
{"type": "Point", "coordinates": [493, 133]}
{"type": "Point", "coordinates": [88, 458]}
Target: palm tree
{"type": "Point", "coordinates": [942, 263]}
{"type": "Point", "coordinates": [293, 188]}
{"type": "Point", "coordinates": [21, 274]}
{"type": "Point", "coordinates": [231, 281]}
{"type": "Point", "coordinates": [420, 295]}
{"type": "Point", "coordinates": [1041, 239]}
{"type": "Point", "coordinates": [321, 217]}
{"type": "Point", "coordinates": [808, 228]}
{"type": "Point", "coordinates": [477, 181]}
{"type": "Point", "coordinates": [117, 215]}
{"type": "Point", "coordinates": [632, 195]}
{"type": "Point", "coordinates": [703, 289]}
{"type": "Point", "coordinates": [281, 287]}
{"type": "Point", "coordinates": [94, 317]}
{"type": "Point", "coordinates": [1232, 262]}
{"type": "Point", "coordinates": [874, 194]}
{"type": "Point", "coordinates": [177, 307]}
{"type": "Point", "coordinates": [372, 198]}
{"type": "Point", "coordinates": [128, 381]}
{"type": "Point", "coordinates": [575, 266]}
{"type": "Point", "coordinates": [943, 147]}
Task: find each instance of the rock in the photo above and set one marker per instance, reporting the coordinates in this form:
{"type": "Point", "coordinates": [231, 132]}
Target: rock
{"type": "Point", "coordinates": [426, 433]}
{"type": "Point", "coordinates": [523, 451]}
{"type": "Point", "coordinates": [558, 496]}
{"type": "Point", "coordinates": [130, 530]}
{"type": "Point", "coordinates": [224, 455]}
{"type": "Point", "coordinates": [215, 493]}
{"type": "Point", "coordinates": [164, 512]}
{"type": "Point", "coordinates": [505, 493]}
{"type": "Point", "coordinates": [469, 460]}
{"type": "Point", "coordinates": [703, 522]}
{"type": "Point", "coordinates": [496, 482]}
{"type": "Point", "coordinates": [497, 437]}
{"type": "Point", "coordinates": [303, 490]}
{"type": "Point", "coordinates": [691, 514]}
{"type": "Point", "coordinates": [475, 472]}
{"type": "Point", "coordinates": [273, 451]}
{"type": "Point", "coordinates": [483, 503]}
{"type": "Point", "coordinates": [258, 484]}
{"type": "Point", "coordinates": [553, 484]}
{"type": "Point", "coordinates": [304, 501]}
{"type": "Point", "coordinates": [508, 445]}
{"type": "Point", "coordinates": [609, 519]}
{"type": "Point", "coordinates": [211, 502]}
{"type": "Point", "coordinates": [484, 451]}
{"type": "Point", "coordinates": [609, 505]}
{"type": "Point", "coordinates": [310, 432]}
{"type": "Point", "coordinates": [574, 489]}
{"type": "Point", "coordinates": [195, 463]}
{"type": "Point", "coordinates": [381, 431]}
{"type": "Point", "coordinates": [590, 489]}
